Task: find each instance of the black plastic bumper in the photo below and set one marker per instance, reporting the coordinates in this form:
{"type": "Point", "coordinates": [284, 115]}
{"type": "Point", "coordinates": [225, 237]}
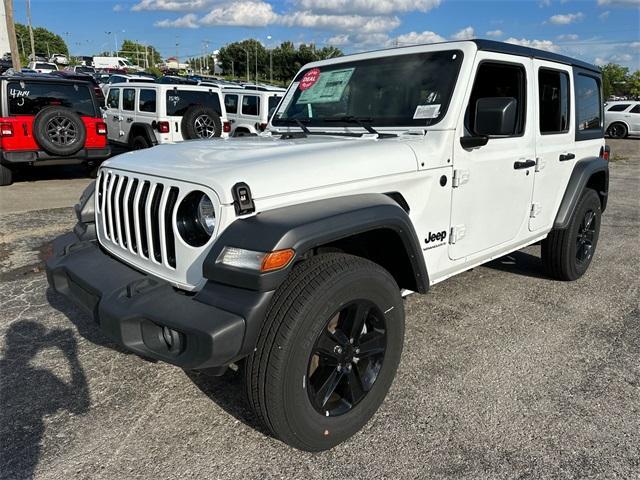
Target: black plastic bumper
{"type": "Point", "coordinates": [40, 156]}
{"type": "Point", "coordinates": [149, 316]}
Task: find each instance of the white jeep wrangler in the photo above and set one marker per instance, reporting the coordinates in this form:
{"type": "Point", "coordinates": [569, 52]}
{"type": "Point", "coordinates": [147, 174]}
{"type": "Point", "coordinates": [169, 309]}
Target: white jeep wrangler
{"type": "Point", "coordinates": [141, 115]}
{"type": "Point", "coordinates": [289, 253]}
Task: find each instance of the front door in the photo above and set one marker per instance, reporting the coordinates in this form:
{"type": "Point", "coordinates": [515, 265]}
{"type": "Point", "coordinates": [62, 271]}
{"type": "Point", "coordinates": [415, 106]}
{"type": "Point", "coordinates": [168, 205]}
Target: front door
{"type": "Point", "coordinates": [493, 182]}
{"type": "Point", "coordinates": [128, 112]}
{"type": "Point", "coordinates": [112, 115]}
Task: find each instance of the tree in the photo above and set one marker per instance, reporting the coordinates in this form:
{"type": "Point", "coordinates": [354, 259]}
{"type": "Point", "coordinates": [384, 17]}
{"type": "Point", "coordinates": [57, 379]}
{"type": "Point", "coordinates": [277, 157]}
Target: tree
{"type": "Point", "coordinates": [143, 55]}
{"type": "Point", "coordinates": [614, 79]}
{"type": "Point", "coordinates": [634, 84]}
{"type": "Point", "coordinates": [45, 41]}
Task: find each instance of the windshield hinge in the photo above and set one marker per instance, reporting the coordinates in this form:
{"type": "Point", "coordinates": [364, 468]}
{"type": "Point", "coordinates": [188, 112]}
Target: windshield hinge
{"type": "Point", "coordinates": [457, 233]}
{"type": "Point", "coordinates": [540, 164]}
{"type": "Point", "coordinates": [460, 177]}
{"type": "Point", "coordinates": [536, 208]}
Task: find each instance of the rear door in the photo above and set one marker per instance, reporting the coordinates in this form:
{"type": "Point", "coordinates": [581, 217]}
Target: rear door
{"type": "Point", "coordinates": [555, 140]}
{"type": "Point", "coordinates": [231, 106]}
{"type": "Point", "coordinates": [128, 111]}
{"type": "Point", "coordinates": [493, 183]}
{"type": "Point", "coordinates": [250, 111]}
{"type": "Point", "coordinates": [147, 107]}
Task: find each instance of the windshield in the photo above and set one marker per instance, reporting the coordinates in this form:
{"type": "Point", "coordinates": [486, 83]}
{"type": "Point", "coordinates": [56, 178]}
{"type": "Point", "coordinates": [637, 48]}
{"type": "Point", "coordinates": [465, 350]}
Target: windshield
{"type": "Point", "coordinates": [402, 90]}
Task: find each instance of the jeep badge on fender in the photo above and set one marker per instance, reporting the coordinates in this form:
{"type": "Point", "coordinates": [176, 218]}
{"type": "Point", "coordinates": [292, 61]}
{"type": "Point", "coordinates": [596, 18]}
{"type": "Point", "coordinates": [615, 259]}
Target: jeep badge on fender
{"type": "Point", "coordinates": [287, 253]}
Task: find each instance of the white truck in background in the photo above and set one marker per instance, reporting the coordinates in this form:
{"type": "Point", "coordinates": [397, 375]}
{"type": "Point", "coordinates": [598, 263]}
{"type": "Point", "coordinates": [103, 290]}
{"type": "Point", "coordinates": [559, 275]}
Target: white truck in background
{"type": "Point", "coordinates": [119, 63]}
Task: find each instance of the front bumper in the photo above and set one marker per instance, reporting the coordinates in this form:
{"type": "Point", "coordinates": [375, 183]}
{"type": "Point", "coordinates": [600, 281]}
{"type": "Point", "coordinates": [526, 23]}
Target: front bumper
{"type": "Point", "coordinates": [149, 316]}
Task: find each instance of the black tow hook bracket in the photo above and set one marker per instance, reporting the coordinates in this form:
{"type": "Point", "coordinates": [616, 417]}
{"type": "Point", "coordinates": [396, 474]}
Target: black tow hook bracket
{"type": "Point", "coordinates": [242, 200]}
{"type": "Point", "coordinates": [138, 287]}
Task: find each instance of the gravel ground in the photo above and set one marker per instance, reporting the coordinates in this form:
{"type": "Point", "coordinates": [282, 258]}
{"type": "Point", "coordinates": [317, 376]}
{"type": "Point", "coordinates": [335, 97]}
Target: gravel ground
{"type": "Point", "coordinates": [505, 374]}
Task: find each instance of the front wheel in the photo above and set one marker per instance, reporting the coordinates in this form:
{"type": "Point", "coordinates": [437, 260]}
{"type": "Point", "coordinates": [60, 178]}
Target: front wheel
{"type": "Point", "coordinates": [566, 254]}
{"type": "Point", "coordinates": [617, 130]}
{"type": "Point", "coordinates": [328, 351]}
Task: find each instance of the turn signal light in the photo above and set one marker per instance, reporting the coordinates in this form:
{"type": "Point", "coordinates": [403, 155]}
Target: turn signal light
{"type": "Point", "coordinates": [226, 127]}
{"type": "Point", "coordinates": [6, 130]}
{"type": "Point", "coordinates": [163, 127]}
{"type": "Point", "coordinates": [276, 260]}
{"type": "Point", "coordinates": [263, 127]}
{"type": "Point", "coordinates": [605, 152]}
{"type": "Point", "coordinates": [101, 128]}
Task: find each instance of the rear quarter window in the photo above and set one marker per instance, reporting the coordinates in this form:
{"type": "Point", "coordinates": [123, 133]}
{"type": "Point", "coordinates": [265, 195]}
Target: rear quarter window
{"type": "Point", "coordinates": [28, 98]}
{"type": "Point", "coordinates": [588, 107]}
{"type": "Point", "coordinates": [179, 101]}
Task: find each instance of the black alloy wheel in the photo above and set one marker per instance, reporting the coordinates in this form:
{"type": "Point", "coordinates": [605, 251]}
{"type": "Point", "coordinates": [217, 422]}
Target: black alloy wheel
{"type": "Point", "coordinates": [585, 238]}
{"type": "Point", "coordinates": [617, 130]}
{"type": "Point", "coordinates": [346, 358]}
{"type": "Point", "coordinates": [61, 131]}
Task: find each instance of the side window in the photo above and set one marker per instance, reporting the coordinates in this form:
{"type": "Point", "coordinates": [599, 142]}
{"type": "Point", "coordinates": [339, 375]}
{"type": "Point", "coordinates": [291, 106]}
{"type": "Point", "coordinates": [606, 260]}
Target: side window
{"type": "Point", "coordinates": [635, 109]}
{"type": "Point", "coordinates": [497, 105]}
{"type": "Point", "coordinates": [113, 100]}
{"type": "Point", "coordinates": [553, 93]}
{"type": "Point", "coordinates": [147, 102]}
{"type": "Point", "coordinates": [588, 104]}
{"type": "Point", "coordinates": [129, 99]}
{"type": "Point", "coordinates": [231, 103]}
{"type": "Point", "coordinates": [250, 105]}
{"type": "Point", "coordinates": [618, 107]}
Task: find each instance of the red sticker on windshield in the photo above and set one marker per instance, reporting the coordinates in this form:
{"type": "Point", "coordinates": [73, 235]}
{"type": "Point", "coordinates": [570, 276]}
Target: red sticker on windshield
{"type": "Point", "coordinates": [309, 79]}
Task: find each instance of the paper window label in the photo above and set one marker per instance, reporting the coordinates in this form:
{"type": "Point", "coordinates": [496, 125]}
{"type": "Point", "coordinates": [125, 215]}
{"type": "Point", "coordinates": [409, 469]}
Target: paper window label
{"type": "Point", "coordinates": [426, 111]}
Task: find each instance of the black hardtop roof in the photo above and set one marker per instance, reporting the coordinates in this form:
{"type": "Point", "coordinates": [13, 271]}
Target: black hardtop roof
{"type": "Point", "coordinates": [511, 49]}
{"type": "Point", "coordinates": [42, 77]}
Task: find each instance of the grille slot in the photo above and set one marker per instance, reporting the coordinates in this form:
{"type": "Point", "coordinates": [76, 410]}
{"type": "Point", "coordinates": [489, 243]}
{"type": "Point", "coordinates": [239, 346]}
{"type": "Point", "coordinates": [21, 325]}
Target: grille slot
{"type": "Point", "coordinates": [137, 216]}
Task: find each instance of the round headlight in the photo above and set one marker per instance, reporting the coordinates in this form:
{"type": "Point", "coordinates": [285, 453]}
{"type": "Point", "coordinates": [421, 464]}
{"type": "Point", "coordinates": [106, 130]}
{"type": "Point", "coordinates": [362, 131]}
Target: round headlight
{"type": "Point", "coordinates": [206, 215]}
{"type": "Point", "coordinates": [196, 219]}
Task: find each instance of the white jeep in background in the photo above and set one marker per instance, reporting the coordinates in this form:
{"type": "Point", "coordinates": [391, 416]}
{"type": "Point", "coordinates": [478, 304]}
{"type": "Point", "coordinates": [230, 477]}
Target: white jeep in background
{"type": "Point", "coordinates": [141, 115]}
{"type": "Point", "coordinates": [289, 253]}
{"type": "Point", "coordinates": [249, 110]}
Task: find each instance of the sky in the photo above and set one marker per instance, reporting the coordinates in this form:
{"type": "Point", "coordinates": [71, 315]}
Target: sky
{"type": "Point", "coordinates": [598, 31]}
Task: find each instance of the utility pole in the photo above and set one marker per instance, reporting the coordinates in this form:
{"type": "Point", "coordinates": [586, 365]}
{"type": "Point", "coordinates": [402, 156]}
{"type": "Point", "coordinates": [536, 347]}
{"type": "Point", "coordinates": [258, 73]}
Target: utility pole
{"type": "Point", "coordinates": [11, 31]}
{"type": "Point", "coordinates": [33, 44]}
{"type": "Point", "coordinates": [256, 62]}
{"type": "Point", "coordinates": [246, 50]}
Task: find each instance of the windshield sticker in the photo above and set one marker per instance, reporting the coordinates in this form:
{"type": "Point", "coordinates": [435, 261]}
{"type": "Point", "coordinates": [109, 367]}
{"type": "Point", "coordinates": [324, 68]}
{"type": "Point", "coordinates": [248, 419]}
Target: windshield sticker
{"type": "Point", "coordinates": [309, 79]}
{"type": "Point", "coordinates": [14, 93]}
{"type": "Point", "coordinates": [287, 99]}
{"type": "Point", "coordinates": [329, 87]}
{"type": "Point", "coordinates": [427, 111]}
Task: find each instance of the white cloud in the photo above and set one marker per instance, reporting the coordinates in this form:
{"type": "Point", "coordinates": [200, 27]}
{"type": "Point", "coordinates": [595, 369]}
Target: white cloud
{"type": "Point", "coordinates": [568, 36]}
{"type": "Point", "coordinates": [464, 34]}
{"type": "Point", "coordinates": [495, 33]}
{"type": "Point", "coordinates": [190, 20]}
{"type": "Point", "coordinates": [544, 3]}
{"type": "Point", "coordinates": [171, 5]}
{"type": "Point", "coordinates": [567, 18]}
{"type": "Point", "coordinates": [242, 13]}
{"type": "Point", "coordinates": [118, 7]}
{"type": "Point", "coordinates": [615, 58]}
{"type": "Point", "coordinates": [621, 3]}
{"type": "Point", "coordinates": [604, 15]}
{"type": "Point", "coordinates": [547, 45]}
{"type": "Point", "coordinates": [368, 7]}
{"type": "Point", "coordinates": [417, 38]}
{"type": "Point", "coordinates": [362, 24]}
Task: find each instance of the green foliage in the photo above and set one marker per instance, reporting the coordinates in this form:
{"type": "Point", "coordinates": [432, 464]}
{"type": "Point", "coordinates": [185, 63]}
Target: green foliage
{"type": "Point", "coordinates": [286, 58]}
{"type": "Point", "coordinates": [634, 84]}
{"type": "Point", "coordinates": [139, 54]}
{"type": "Point", "coordinates": [616, 80]}
{"type": "Point", "coordinates": [45, 41]}
{"type": "Point", "coordinates": [155, 71]}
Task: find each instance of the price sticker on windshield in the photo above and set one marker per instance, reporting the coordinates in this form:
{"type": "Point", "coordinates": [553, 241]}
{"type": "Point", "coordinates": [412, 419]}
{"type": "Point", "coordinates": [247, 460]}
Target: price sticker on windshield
{"type": "Point", "coordinates": [309, 79]}
{"type": "Point", "coordinates": [426, 111]}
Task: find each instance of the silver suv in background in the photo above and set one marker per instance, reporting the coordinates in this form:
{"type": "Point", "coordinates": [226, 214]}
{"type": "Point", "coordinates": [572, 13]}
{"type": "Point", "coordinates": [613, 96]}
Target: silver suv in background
{"type": "Point", "coordinates": [622, 118]}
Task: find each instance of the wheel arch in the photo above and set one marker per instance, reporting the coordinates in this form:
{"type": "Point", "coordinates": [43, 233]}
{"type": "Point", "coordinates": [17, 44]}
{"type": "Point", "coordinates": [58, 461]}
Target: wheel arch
{"type": "Point", "coordinates": [139, 128]}
{"type": "Point", "coordinates": [613, 122]}
{"type": "Point", "coordinates": [372, 226]}
{"type": "Point", "coordinates": [592, 172]}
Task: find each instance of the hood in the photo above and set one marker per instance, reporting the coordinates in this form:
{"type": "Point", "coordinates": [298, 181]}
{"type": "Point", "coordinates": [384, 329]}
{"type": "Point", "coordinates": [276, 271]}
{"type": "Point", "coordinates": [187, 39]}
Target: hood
{"type": "Point", "coordinates": [269, 165]}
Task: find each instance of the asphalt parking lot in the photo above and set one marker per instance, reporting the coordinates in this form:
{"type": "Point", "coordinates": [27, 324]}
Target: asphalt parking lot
{"type": "Point", "coordinates": [505, 373]}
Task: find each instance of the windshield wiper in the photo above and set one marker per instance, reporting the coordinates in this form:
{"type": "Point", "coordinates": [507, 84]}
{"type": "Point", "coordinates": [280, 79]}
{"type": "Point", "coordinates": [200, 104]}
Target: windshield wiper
{"type": "Point", "coordinates": [300, 123]}
{"type": "Point", "coordinates": [364, 122]}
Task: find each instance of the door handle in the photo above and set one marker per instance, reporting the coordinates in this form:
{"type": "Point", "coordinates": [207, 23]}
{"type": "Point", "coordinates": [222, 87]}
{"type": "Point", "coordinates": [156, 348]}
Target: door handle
{"type": "Point", "coordinates": [116, 118]}
{"type": "Point", "coordinates": [567, 156]}
{"type": "Point", "coordinates": [526, 164]}
{"type": "Point", "coordinates": [129, 119]}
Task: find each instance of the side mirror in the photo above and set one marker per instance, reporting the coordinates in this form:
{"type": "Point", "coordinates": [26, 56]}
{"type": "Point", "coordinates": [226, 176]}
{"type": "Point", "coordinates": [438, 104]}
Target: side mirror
{"type": "Point", "coordinates": [496, 116]}
{"type": "Point", "coordinates": [473, 142]}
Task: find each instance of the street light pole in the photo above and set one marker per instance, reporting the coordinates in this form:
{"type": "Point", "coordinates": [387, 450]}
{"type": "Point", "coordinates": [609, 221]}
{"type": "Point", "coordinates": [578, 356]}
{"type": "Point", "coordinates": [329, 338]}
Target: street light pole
{"type": "Point", "coordinates": [33, 48]}
{"type": "Point", "coordinates": [270, 61]}
{"type": "Point", "coordinates": [246, 50]}
{"type": "Point", "coordinates": [256, 62]}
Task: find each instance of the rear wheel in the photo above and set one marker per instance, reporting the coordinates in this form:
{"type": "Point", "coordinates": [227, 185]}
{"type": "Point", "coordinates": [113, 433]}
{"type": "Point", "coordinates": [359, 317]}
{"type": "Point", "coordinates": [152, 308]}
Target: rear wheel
{"type": "Point", "coordinates": [567, 254]}
{"type": "Point", "coordinates": [6, 175]}
{"type": "Point", "coordinates": [328, 351]}
{"type": "Point", "coordinates": [617, 130]}
{"type": "Point", "coordinates": [139, 142]}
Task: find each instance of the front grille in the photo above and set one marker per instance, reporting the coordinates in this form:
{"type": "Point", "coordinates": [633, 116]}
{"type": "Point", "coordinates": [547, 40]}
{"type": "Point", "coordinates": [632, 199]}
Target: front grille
{"type": "Point", "coordinates": [136, 215]}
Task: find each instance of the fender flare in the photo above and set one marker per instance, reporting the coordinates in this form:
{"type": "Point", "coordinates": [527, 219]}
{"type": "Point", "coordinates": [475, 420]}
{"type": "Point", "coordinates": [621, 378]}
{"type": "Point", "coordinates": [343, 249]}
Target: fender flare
{"type": "Point", "coordinates": [146, 128]}
{"type": "Point", "coordinates": [309, 225]}
{"type": "Point", "coordinates": [582, 173]}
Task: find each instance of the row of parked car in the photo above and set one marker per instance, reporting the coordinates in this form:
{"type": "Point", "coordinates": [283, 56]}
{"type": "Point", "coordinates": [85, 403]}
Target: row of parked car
{"type": "Point", "coordinates": [69, 117]}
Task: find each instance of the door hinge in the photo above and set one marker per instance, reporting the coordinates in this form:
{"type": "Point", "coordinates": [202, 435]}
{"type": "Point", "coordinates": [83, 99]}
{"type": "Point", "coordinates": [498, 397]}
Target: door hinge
{"type": "Point", "coordinates": [460, 177]}
{"type": "Point", "coordinates": [536, 208]}
{"type": "Point", "coordinates": [457, 233]}
{"type": "Point", "coordinates": [540, 164]}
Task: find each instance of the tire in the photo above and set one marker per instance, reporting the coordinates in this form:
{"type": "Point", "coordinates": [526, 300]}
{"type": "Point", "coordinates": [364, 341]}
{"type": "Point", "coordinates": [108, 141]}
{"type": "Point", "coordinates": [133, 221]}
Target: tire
{"type": "Point", "coordinates": [139, 142]}
{"type": "Point", "coordinates": [617, 130]}
{"type": "Point", "coordinates": [50, 126]}
{"type": "Point", "coordinates": [6, 176]}
{"type": "Point", "coordinates": [283, 374]}
{"type": "Point", "coordinates": [567, 253]}
{"type": "Point", "coordinates": [201, 122]}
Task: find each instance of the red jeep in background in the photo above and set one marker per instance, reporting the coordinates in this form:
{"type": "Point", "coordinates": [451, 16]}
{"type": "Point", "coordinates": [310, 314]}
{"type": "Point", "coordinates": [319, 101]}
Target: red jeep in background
{"type": "Point", "coordinates": [46, 120]}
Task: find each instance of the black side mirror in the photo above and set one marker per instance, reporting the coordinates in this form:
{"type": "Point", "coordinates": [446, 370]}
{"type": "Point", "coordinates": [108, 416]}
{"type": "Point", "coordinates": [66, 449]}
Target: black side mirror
{"type": "Point", "coordinates": [496, 116]}
{"type": "Point", "coordinates": [474, 142]}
